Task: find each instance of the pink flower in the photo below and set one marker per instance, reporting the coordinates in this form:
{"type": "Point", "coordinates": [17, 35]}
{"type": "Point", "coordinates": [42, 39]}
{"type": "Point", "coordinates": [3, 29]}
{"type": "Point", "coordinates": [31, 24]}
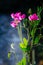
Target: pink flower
{"type": "Point", "coordinates": [17, 18]}
{"type": "Point", "coordinates": [33, 17]}
{"type": "Point", "coordinates": [23, 16]}
{"type": "Point", "coordinates": [14, 23]}
{"type": "Point", "coordinates": [12, 15]}
{"type": "Point", "coordinates": [17, 14]}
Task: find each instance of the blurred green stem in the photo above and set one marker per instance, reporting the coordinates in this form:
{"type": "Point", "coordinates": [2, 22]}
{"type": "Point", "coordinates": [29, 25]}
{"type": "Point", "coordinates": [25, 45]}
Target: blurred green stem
{"type": "Point", "coordinates": [33, 57]}
{"type": "Point", "coordinates": [20, 32]}
{"type": "Point", "coordinates": [33, 51]}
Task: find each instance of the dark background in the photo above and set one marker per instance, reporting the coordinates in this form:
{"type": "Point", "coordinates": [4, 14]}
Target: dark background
{"type": "Point", "coordinates": [8, 6]}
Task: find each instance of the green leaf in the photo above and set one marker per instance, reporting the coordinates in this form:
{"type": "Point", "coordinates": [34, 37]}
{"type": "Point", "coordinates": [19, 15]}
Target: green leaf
{"type": "Point", "coordinates": [34, 27]}
{"type": "Point", "coordinates": [9, 54]}
{"type": "Point", "coordinates": [23, 45]}
{"type": "Point", "coordinates": [33, 32]}
{"type": "Point", "coordinates": [28, 48]}
{"type": "Point", "coordinates": [37, 39]}
{"type": "Point", "coordinates": [22, 62]}
{"type": "Point", "coordinates": [25, 41]}
{"type": "Point", "coordinates": [36, 23]}
{"type": "Point", "coordinates": [39, 9]}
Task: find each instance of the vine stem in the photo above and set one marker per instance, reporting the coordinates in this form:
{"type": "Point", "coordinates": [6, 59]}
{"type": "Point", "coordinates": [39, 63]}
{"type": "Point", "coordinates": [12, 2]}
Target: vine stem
{"type": "Point", "coordinates": [33, 57]}
{"type": "Point", "coordinates": [20, 32]}
{"type": "Point", "coordinates": [33, 52]}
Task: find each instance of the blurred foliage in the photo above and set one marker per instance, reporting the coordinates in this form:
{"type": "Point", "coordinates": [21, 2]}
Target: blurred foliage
{"type": "Point", "coordinates": [27, 45]}
{"type": "Point", "coordinates": [9, 54]}
{"type": "Point", "coordinates": [22, 62]}
{"type": "Point", "coordinates": [32, 28]}
{"type": "Point", "coordinates": [23, 45]}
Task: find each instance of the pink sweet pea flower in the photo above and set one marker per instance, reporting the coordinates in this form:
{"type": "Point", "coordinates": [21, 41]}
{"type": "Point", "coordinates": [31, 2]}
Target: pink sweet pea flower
{"type": "Point", "coordinates": [14, 23]}
{"type": "Point", "coordinates": [17, 18]}
{"type": "Point", "coordinates": [23, 16]}
{"type": "Point", "coordinates": [12, 15]}
{"type": "Point", "coordinates": [33, 17]}
{"type": "Point", "coordinates": [18, 14]}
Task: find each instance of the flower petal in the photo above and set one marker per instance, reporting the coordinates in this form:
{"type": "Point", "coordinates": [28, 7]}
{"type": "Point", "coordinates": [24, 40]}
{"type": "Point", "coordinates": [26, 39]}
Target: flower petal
{"type": "Point", "coordinates": [12, 15]}
{"type": "Point", "coordinates": [23, 16]}
{"type": "Point", "coordinates": [33, 17]}
{"type": "Point", "coordinates": [13, 24]}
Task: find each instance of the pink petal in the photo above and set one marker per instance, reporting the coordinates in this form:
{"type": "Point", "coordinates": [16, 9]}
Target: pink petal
{"type": "Point", "coordinates": [13, 24]}
{"type": "Point", "coordinates": [12, 15]}
{"type": "Point", "coordinates": [33, 17]}
{"type": "Point", "coordinates": [18, 18]}
{"type": "Point", "coordinates": [23, 16]}
{"type": "Point", "coordinates": [19, 21]}
{"type": "Point", "coordinates": [29, 17]}
{"type": "Point", "coordinates": [18, 14]}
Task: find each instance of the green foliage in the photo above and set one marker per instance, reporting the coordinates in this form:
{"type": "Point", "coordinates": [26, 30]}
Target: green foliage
{"type": "Point", "coordinates": [33, 32]}
{"type": "Point", "coordinates": [23, 45]}
{"type": "Point", "coordinates": [36, 41]}
{"type": "Point", "coordinates": [9, 54]}
{"type": "Point", "coordinates": [39, 9]}
{"type": "Point", "coordinates": [25, 23]}
{"type": "Point", "coordinates": [22, 62]}
{"type": "Point", "coordinates": [36, 23]}
{"type": "Point", "coordinates": [34, 27]}
{"type": "Point", "coordinates": [31, 29]}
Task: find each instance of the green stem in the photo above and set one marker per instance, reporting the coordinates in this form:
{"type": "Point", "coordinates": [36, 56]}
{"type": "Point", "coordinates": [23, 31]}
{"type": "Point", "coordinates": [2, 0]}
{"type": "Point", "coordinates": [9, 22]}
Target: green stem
{"type": "Point", "coordinates": [28, 35]}
{"type": "Point", "coordinates": [33, 57]}
{"type": "Point", "coordinates": [20, 32]}
{"type": "Point", "coordinates": [33, 52]}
